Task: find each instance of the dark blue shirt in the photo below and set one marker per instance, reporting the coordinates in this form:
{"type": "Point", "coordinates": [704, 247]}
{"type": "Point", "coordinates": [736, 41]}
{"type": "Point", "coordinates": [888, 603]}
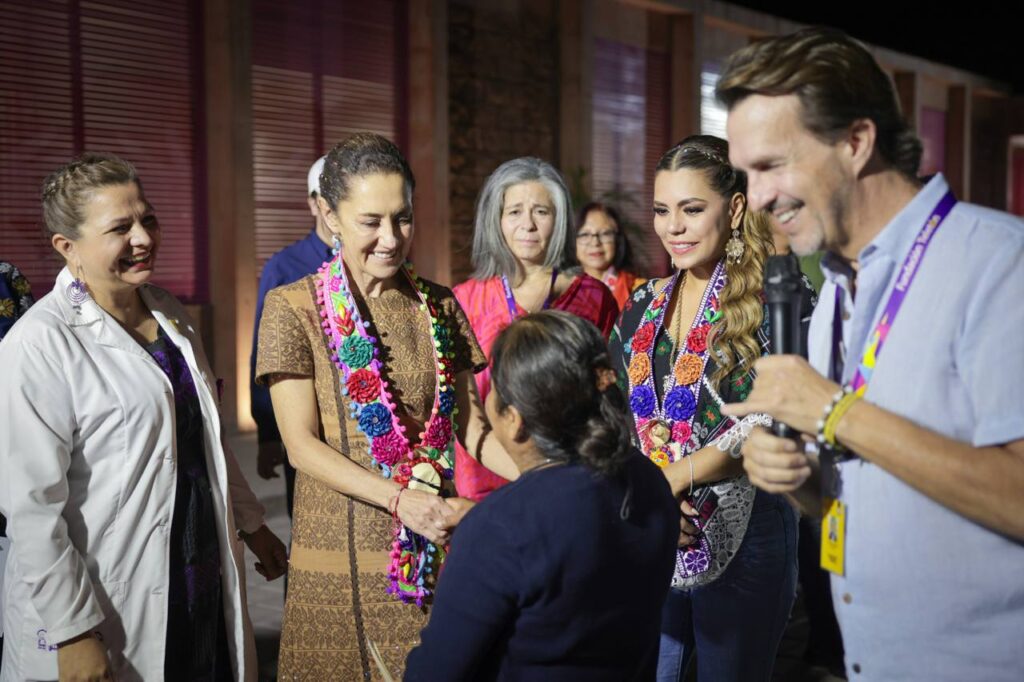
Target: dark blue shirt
{"type": "Point", "coordinates": [547, 580]}
{"type": "Point", "coordinates": [288, 265]}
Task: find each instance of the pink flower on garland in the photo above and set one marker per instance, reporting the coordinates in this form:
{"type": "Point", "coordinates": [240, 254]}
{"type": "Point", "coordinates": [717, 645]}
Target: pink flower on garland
{"type": "Point", "coordinates": [402, 473]}
{"type": "Point", "coordinates": [681, 432]}
{"type": "Point", "coordinates": [697, 341]}
{"type": "Point", "coordinates": [389, 448]}
{"type": "Point", "coordinates": [363, 386]}
{"type": "Point", "coordinates": [439, 433]}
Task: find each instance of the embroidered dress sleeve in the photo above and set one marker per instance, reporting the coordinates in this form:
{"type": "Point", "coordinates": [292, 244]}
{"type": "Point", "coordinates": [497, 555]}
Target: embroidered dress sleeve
{"type": "Point", "coordinates": [468, 354]}
{"type": "Point", "coordinates": [284, 344]}
{"type": "Point", "coordinates": [262, 410]}
{"type": "Point", "coordinates": [731, 440]}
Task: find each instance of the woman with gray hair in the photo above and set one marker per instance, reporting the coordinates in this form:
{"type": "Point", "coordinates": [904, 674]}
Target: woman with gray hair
{"type": "Point", "coordinates": [524, 255]}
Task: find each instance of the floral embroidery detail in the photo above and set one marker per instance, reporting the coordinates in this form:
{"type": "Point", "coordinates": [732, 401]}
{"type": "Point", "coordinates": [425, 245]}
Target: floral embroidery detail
{"type": "Point", "coordinates": [642, 401]}
{"type": "Point", "coordinates": [643, 338]}
{"type": "Point", "coordinates": [689, 369]}
{"type": "Point", "coordinates": [21, 286]}
{"type": "Point", "coordinates": [714, 312]}
{"type": "Point", "coordinates": [681, 432]}
{"type": "Point", "coordinates": [363, 386]}
{"type": "Point", "coordinates": [680, 404]}
{"type": "Point", "coordinates": [712, 416]}
{"type": "Point", "coordinates": [356, 352]}
{"type": "Point", "coordinates": [671, 430]}
{"type": "Point", "coordinates": [388, 448]}
{"type": "Point", "coordinates": [6, 307]}
{"type": "Point", "coordinates": [696, 561]}
{"type": "Point", "coordinates": [697, 340]}
{"type": "Point", "coordinates": [639, 368]}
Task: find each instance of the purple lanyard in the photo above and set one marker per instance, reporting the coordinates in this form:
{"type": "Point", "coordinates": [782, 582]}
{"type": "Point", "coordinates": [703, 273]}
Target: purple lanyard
{"type": "Point", "coordinates": [513, 309]}
{"type": "Point", "coordinates": [908, 271]}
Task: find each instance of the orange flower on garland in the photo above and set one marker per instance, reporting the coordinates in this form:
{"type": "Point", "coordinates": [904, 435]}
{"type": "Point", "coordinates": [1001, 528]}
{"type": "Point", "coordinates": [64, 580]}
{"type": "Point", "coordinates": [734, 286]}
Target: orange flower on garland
{"type": "Point", "coordinates": [688, 369]}
{"type": "Point", "coordinates": [639, 369]}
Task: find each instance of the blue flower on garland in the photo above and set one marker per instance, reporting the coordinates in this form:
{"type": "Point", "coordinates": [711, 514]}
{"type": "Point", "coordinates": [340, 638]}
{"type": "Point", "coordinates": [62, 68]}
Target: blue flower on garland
{"type": "Point", "coordinates": [446, 403]}
{"type": "Point", "coordinates": [642, 401]}
{"type": "Point", "coordinates": [356, 352]}
{"type": "Point", "coordinates": [679, 404]}
{"type": "Point", "coordinates": [375, 420]}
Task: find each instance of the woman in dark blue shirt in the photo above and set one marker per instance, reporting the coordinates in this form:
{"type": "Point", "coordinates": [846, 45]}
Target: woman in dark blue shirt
{"type": "Point", "coordinates": [560, 575]}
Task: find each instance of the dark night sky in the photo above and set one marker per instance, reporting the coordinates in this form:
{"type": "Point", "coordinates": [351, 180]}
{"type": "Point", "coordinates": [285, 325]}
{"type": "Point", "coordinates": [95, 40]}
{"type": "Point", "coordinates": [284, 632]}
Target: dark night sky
{"type": "Point", "coordinates": [982, 37]}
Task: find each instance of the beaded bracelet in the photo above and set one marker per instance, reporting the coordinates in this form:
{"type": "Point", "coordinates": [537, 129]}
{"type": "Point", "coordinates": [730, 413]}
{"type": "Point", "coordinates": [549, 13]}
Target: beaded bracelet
{"type": "Point", "coordinates": [840, 409]}
{"type": "Point", "coordinates": [822, 440]}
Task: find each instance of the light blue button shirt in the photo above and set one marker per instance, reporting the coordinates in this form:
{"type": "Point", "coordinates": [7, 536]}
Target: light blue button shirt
{"type": "Point", "coordinates": [929, 595]}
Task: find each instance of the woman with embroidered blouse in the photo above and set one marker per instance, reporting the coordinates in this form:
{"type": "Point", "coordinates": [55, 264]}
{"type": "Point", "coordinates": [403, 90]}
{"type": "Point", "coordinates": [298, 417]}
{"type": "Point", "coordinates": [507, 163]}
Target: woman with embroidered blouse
{"type": "Point", "coordinates": [683, 346]}
{"type": "Point", "coordinates": [370, 372]}
{"type": "Point", "coordinates": [524, 260]}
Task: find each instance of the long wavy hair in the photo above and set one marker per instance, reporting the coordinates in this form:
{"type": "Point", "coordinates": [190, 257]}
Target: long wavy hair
{"type": "Point", "coordinates": [733, 339]}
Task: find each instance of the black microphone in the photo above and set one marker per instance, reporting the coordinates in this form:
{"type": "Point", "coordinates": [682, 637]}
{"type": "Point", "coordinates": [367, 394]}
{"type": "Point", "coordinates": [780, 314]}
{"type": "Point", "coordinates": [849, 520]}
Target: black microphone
{"type": "Point", "coordinates": [782, 288]}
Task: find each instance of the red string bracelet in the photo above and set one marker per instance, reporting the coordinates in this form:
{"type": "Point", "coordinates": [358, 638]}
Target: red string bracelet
{"type": "Point", "coordinates": [394, 511]}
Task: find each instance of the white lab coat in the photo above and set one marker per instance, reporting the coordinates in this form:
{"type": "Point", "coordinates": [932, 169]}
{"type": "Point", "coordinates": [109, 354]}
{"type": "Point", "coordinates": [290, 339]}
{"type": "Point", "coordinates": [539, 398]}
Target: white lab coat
{"type": "Point", "coordinates": [87, 481]}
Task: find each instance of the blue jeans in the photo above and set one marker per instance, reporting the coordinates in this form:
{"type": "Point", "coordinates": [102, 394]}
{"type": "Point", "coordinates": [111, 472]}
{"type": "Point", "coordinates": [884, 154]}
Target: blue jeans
{"type": "Point", "coordinates": [735, 623]}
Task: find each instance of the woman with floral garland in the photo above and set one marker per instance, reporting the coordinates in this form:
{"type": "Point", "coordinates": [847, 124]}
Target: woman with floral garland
{"type": "Point", "coordinates": [683, 346]}
{"type": "Point", "coordinates": [370, 373]}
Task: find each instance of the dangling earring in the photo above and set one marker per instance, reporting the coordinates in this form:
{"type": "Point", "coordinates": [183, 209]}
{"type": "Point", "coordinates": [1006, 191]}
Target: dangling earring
{"type": "Point", "coordinates": [76, 291]}
{"type": "Point", "coordinates": [734, 247]}
{"type": "Point", "coordinates": [336, 248]}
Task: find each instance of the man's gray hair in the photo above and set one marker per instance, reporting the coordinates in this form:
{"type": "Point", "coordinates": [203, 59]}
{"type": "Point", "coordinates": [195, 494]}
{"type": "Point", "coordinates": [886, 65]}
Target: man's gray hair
{"type": "Point", "coordinates": [491, 255]}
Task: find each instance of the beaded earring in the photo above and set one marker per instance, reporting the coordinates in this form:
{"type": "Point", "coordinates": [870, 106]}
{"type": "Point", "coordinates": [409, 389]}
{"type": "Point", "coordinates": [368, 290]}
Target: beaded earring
{"type": "Point", "coordinates": [76, 291]}
{"type": "Point", "coordinates": [735, 247]}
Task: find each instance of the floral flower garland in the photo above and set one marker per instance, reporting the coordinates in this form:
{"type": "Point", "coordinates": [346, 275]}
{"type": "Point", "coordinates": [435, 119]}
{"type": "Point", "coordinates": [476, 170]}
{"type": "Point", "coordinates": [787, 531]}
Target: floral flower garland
{"type": "Point", "coordinates": [666, 431]}
{"type": "Point", "coordinates": [414, 560]}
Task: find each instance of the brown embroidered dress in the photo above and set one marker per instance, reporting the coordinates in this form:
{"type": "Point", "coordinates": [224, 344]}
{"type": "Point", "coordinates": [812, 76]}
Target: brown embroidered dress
{"type": "Point", "coordinates": [337, 600]}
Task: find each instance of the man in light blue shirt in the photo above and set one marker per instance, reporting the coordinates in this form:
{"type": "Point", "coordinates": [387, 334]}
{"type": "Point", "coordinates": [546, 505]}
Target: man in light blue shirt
{"type": "Point", "coordinates": [930, 472]}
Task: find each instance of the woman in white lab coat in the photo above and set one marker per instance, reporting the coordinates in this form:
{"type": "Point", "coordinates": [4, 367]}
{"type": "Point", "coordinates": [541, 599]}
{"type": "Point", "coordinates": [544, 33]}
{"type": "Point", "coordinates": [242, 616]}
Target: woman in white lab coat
{"type": "Point", "coordinates": [124, 504]}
